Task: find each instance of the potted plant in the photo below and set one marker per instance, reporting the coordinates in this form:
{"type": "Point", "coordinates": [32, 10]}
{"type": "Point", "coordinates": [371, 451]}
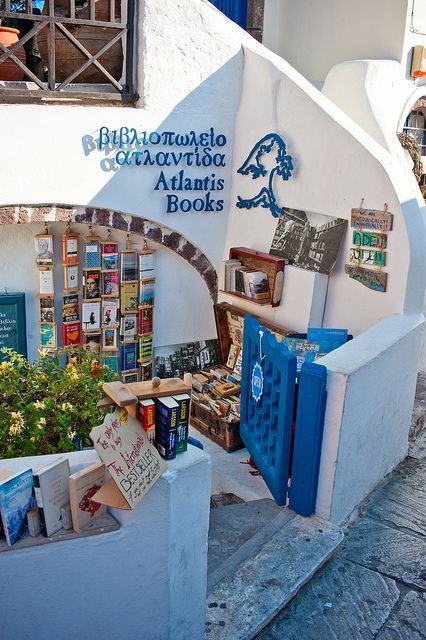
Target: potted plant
{"type": "Point", "coordinates": [9, 70]}
{"type": "Point", "coordinates": [46, 407]}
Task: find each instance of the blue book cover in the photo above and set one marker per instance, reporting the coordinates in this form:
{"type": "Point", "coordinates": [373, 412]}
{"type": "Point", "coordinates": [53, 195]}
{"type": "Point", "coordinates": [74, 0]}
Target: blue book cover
{"type": "Point", "coordinates": [129, 356]}
{"type": "Point", "coordinates": [328, 339]}
{"type": "Point", "coordinates": [167, 412]}
{"type": "Point", "coordinates": [16, 499]}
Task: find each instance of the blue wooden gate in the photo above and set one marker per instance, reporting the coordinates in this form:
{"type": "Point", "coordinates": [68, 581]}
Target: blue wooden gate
{"type": "Point", "coordinates": [236, 10]}
{"type": "Point", "coordinates": [267, 415]}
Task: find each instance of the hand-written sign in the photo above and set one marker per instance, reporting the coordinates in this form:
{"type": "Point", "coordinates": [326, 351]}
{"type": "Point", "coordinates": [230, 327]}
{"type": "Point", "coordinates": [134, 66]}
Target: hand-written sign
{"type": "Point", "coordinates": [371, 219]}
{"type": "Point", "coordinates": [367, 256]}
{"type": "Point", "coordinates": [369, 239]}
{"type": "Point", "coordinates": [376, 280]}
{"type": "Point", "coordinates": [12, 322]}
{"type": "Point", "coordinates": [134, 464]}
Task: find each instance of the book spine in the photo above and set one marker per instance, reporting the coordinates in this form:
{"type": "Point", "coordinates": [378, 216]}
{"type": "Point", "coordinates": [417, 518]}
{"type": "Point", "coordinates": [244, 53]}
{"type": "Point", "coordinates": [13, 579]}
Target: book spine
{"type": "Point", "coordinates": [147, 415]}
{"type": "Point", "coordinates": [39, 501]}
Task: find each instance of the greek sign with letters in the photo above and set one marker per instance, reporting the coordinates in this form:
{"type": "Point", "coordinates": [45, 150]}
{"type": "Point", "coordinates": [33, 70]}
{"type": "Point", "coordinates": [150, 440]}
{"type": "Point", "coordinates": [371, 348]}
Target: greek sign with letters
{"type": "Point", "coordinates": [132, 461]}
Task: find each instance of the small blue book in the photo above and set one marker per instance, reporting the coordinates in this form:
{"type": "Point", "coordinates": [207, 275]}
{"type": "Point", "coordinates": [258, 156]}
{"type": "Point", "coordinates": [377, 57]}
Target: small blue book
{"type": "Point", "coordinates": [328, 339]}
{"type": "Point", "coordinates": [16, 499]}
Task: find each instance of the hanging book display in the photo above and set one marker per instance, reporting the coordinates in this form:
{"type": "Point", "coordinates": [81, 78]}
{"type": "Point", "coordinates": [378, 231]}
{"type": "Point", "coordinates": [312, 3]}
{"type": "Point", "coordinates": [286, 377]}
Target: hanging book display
{"type": "Point", "coordinates": [146, 311]}
{"type": "Point", "coordinates": [91, 311]}
{"type": "Point", "coordinates": [71, 327]}
{"type": "Point", "coordinates": [46, 290]}
{"type": "Point", "coordinates": [110, 292]}
{"type": "Point", "coordinates": [129, 291]}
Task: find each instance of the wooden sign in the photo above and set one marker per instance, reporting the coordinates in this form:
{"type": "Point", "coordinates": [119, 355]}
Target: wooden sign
{"type": "Point", "coordinates": [12, 323]}
{"type": "Point", "coordinates": [369, 239]}
{"type": "Point", "coordinates": [376, 280]}
{"type": "Point", "coordinates": [367, 256]}
{"type": "Point", "coordinates": [132, 461]}
{"type": "Point", "coordinates": [371, 219]}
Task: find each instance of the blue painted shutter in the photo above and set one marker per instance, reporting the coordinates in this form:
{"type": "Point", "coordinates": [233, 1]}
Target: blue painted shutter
{"type": "Point", "coordinates": [236, 10]}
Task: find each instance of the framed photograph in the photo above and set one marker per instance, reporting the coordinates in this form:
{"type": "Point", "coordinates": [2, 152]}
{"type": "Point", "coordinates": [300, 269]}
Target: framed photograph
{"type": "Point", "coordinates": [91, 284]}
{"type": "Point", "coordinates": [44, 248]}
{"type": "Point", "coordinates": [129, 356]}
{"type": "Point", "coordinates": [147, 292]}
{"type": "Point", "coordinates": [92, 253]}
{"type": "Point", "coordinates": [110, 284]}
{"type": "Point", "coordinates": [129, 266]}
{"type": "Point", "coordinates": [92, 343]}
{"type": "Point", "coordinates": [47, 309]}
{"type": "Point", "coordinates": [110, 360]}
{"type": "Point", "coordinates": [71, 309]}
{"type": "Point", "coordinates": [109, 339]}
{"type": "Point", "coordinates": [146, 265]}
{"type": "Point", "coordinates": [128, 296]}
{"type": "Point", "coordinates": [130, 376]}
{"type": "Point", "coordinates": [71, 278]}
{"type": "Point", "coordinates": [71, 334]}
{"type": "Point", "coordinates": [91, 316]}
{"type": "Point", "coordinates": [109, 247]}
{"type": "Point", "coordinates": [109, 313]}
{"type": "Point", "coordinates": [70, 249]}
{"type": "Point", "coordinates": [145, 348]}
{"type": "Point", "coordinates": [145, 320]}
{"type": "Point", "coordinates": [48, 335]}
{"type": "Point", "coordinates": [110, 262]}
{"type": "Point", "coordinates": [146, 371]}
{"type": "Point", "coordinates": [45, 280]}
{"type": "Point", "coordinates": [128, 328]}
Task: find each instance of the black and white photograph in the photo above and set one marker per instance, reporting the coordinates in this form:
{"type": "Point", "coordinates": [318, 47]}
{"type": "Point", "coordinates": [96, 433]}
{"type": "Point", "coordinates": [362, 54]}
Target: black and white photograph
{"type": "Point", "coordinates": [177, 359]}
{"type": "Point", "coordinates": [308, 240]}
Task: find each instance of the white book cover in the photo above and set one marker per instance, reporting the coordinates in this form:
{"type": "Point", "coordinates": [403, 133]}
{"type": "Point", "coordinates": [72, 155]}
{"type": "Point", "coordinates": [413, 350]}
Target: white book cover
{"type": "Point", "coordinates": [46, 281]}
{"type": "Point", "coordinates": [51, 488]}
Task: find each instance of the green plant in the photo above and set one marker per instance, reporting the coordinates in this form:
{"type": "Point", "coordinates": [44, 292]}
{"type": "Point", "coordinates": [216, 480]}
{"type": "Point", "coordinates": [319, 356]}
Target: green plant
{"type": "Point", "coordinates": [44, 406]}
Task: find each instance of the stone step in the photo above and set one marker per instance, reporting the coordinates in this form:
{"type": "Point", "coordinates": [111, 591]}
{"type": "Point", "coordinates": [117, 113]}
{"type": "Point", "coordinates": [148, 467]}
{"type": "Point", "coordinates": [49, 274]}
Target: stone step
{"type": "Point", "coordinates": [240, 605]}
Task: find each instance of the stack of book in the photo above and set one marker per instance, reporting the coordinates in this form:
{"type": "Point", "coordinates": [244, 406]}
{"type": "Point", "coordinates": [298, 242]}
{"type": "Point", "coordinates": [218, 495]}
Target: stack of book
{"type": "Point", "coordinates": [166, 425]}
{"type": "Point", "coordinates": [245, 281]}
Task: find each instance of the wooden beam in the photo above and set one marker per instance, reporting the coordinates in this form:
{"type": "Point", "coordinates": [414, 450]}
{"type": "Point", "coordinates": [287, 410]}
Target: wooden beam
{"type": "Point", "coordinates": [120, 393]}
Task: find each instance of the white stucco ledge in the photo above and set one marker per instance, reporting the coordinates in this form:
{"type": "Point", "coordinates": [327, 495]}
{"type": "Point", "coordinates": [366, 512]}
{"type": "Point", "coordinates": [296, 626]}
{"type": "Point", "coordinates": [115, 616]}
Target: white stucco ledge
{"type": "Point", "coordinates": [148, 579]}
{"type": "Point", "coordinates": [371, 383]}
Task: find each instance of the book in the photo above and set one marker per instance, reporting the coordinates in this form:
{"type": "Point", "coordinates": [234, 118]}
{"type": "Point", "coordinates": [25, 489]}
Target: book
{"type": "Point", "coordinates": [304, 350]}
{"type": "Point", "coordinates": [46, 287]}
{"type": "Point", "coordinates": [70, 249]}
{"type": "Point", "coordinates": [91, 285]}
{"type": "Point", "coordinates": [147, 292]}
{"type": "Point", "coordinates": [71, 333]}
{"type": "Point", "coordinates": [51, 489]}
{"type": "Point", "coordinates": [146, 343]}
{"type": "Point", "coordinates": [110, 284]}
{"type": "Point", "coordinates": [109, 339]}
{"type": "Point", "coordinates": [241, 285]}
{"type": "Point", "coordinates": [128, 356]}
{"type": "Point", "coordinates": [91, 316]}
{"type": "Point", "coordinates": [109, 313]}
{"type": "Point", "coordinates": [146, 265]}
{"type": "Point", "coordinates": [145, 320]}
{"type": "Point", "coordinates": [224, 273]}
{"type": "Point", "coordinates": [231, 275]}
{"type": "Point", "coordinates": [257, 285]}
{"type": "Point", "coordinates": [70, 278]}
{"type": "Point", "coordinates": [147, 413]}
{"type": "Point", "coordinates": [82, 486]}
{"type": "Point", "coordinates": [16, 500]}
{"type": "Point", "coordinates": [328, 339]}
{"type": "Point", "coordinates": [129, 266]}
{"type": "Point", "coordinates": [232, 356]}
{"type": "Point", "coordinates": [47, 309]}
{"type": "Point", "coordinates": [110, 360]}
{"type": "Point", "coordinates": [109, 247]}
{"type": "Point", "coordinates": [110, 262]}
{"type": "Point", "coordinates": [128, 296]}
{"type": "Point", "coordinates": [166, 423]}
{"type": "Point", "coordinates": [92, 343]}
{"type": "Point", "coordinates": [183, 400]}
{"type": "Point", "coordinates": [146, 371]}
{"type": "Point", "coordinates": [70, 312]}
{"type": "Point", "coordinates": [92, 254]}
{"type": "Point", "coordinates": [129, 327]}
{"type": "Point", "coordinates": [48, 335]}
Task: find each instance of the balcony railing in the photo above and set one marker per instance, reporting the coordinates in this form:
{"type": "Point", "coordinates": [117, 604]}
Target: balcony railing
{"type": "Point", "coordinates": [67, 48]}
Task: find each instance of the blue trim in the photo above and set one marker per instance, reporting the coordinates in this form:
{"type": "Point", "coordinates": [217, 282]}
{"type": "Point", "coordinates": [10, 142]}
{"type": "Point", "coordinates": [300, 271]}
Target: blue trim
{"type": "Point", "coordinates": [236, 10]}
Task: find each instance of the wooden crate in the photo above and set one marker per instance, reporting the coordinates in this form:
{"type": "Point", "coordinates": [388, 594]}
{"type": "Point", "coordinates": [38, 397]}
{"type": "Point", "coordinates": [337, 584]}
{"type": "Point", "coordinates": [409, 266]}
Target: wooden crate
{"type": "Point", "coordinates": [226, 434]}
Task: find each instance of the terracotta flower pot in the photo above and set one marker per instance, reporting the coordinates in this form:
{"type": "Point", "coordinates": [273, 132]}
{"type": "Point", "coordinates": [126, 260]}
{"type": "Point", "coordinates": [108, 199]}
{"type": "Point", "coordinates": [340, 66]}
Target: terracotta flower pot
{"type": "Point", "coordinates": [9, 70]}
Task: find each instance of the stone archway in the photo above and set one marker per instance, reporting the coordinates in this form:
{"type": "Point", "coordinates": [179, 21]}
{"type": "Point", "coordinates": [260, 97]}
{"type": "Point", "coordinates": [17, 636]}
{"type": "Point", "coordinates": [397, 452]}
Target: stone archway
{"type": "Point", "coordinates": [170, 238]}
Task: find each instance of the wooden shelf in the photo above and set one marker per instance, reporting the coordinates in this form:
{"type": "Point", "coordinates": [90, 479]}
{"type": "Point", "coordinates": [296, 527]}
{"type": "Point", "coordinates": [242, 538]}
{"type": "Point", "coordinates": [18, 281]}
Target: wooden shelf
{"type": "Point", "coordinates": [273, 266]}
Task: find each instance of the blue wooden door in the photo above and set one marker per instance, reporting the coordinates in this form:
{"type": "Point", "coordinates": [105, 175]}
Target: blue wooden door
{"type": "Point", "coordinates": [268, 389]}
{"type": "Point", "coordinates": [236, 10]}
{"type": "Point", "coordinates": [266, 421]}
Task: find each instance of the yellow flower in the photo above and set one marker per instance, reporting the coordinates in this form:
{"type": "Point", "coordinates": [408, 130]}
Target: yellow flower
{"type": "Point", "coordinates": [66, 406]}
{"type": "Point", "coordinates": [41, 423]}
{"type": "Point", "coordinates": [15, 429]}
{"type": "Point", "coordinates": [71, 434]}
{"type": "Point", "coordinates": [32, 439]}
{"type": "Point", "coordinates": [5, 365]}
{"type": "Point", "coordinates": [17, 418]}
{"type": "Point", "coordinates": [43, 352]}
{"type": "Point", "coordinates": [39, 405]}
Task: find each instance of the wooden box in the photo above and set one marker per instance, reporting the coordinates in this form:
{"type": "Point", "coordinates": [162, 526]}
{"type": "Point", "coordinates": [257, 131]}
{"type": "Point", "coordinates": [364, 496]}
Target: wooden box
{"type": "Point", "coordinates": [230, 328]}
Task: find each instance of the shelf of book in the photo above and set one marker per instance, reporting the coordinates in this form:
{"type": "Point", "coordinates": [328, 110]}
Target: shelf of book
{"type": "Point", "coordinates": [254, 263]}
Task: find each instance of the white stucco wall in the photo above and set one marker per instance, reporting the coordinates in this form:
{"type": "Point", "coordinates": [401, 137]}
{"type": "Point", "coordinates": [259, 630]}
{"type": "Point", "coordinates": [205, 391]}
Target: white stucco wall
{"type": "Point", "coordinates": [314, 36]}
{"type": "Point", "coordinates": [146, 580]}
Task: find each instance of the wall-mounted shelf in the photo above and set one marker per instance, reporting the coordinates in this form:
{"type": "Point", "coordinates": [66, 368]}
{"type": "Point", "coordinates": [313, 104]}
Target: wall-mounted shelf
{"type": "Point", "coordinates": [273, 266]}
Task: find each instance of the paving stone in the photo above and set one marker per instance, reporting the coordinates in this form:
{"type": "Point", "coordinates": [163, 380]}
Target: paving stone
{"type": "Point", "coordinates": [392, 552]}
{"type": "Point", "coordinates": [242, 604]}
{"type": "Point", "coordinates": [402, 501]}
{"type": "Point", "coordinates": [342, 602]}
{"type": "Point", "coordinates": [232, 525]}
{"type": "Point", "coordinates": [408, 621]}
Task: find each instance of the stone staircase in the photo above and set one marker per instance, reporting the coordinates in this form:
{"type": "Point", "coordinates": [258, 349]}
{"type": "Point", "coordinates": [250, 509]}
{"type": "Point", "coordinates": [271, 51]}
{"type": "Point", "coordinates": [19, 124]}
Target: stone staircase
{"type": "Point", "coordinates": [259, 557]}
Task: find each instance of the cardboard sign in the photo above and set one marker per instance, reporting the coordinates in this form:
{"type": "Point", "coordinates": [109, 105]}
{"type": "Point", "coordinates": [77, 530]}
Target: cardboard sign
{"type": "Point", "coordinates": [376, 280]}
{"type": "Point", "coordinates": [369, 239]}
{"type": "Point", "coordinates": [371, 219]}
{"type": "Point", "coordinates": [367, 256]}
{"type": "Point", "coordinates": [134, 464]}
